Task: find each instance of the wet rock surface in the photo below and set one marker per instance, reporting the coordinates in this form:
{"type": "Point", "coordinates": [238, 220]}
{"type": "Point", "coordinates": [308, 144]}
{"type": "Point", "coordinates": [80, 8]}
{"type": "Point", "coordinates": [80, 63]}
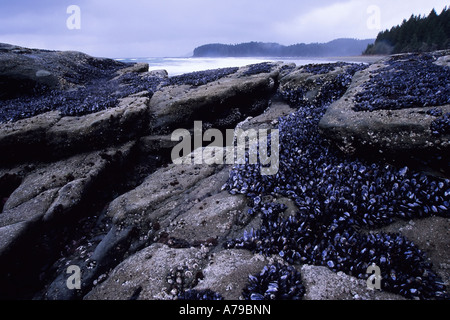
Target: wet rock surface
{"type": "Point", "coordinates": [106, 197]}
{"type": "Point", "coordinates": [27, 71]}
{"type": "Point", "coordinates": [219, 104]}
{"type": "Point", "coordinates": [331, 203]}
{"type": "Point", "coordinates": [200, 77]}
{"type": "Point", "coordinates": [36, 81]}
{"type": "Point", "coordinates": [407, 81]}
{"type": "Point", "coordinates": [392, 112]}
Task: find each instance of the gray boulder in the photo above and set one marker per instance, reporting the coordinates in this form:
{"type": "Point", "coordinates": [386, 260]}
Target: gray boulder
{"type": "Point", "coordinates": [222, 102]}
{"type": "Point", "coordinates": [54, 191]}
{"type": "Point", "coordinates": [25, 71]}
{"type": "Point", "coordinates": [400, 132]}
{"type": "Point", "coordinates": [52, 136]}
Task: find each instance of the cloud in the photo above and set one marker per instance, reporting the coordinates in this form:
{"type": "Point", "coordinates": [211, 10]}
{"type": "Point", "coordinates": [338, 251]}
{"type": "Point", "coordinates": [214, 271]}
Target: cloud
{"type": "Point", "coordinates": [393, 12]}
{"type": "Point", "coordinates": [350, 18]}
{"type": "Point", "coordinates": [175, 27]}
{"type": "Point", "coordinates": [325, 23]}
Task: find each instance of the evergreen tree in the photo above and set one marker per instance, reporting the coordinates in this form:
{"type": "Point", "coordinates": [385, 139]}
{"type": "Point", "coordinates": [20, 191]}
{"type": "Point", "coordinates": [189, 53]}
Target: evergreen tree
{"type": "Point", "coordinates": [418, 34]}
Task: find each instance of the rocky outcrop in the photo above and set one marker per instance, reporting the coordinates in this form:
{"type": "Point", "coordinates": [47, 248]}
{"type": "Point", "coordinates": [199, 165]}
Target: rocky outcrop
{"type": "Point", "coordinates": [52, 136]}
{"type": "Point", "coordinates": [57, 166]}
{"type": "Point", "coordinates": [316, 84]}
{"type": "Point", "coordinates": [25, 71]}
{"type": "Point", "coordinates": [221, 103]}
{"type": "Point", "coordinates": [92, 185]}
{"type": "Point", "coordinates": [89, 103]}
{"type": "Point", "coordinates": [399, 119]}
{"type": "Point", "coordinates": [48, 199]}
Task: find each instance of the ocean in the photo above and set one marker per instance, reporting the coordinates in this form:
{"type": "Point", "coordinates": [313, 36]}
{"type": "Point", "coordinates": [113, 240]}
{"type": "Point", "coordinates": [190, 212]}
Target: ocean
{"type": "Point", "coordinates": [177, 66]}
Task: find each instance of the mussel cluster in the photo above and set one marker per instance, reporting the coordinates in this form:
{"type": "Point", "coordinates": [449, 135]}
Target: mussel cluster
{"type": "Point", "coordinates": [199, 78]}
{"type": "Point", "coordinates": [322, 68]}
{"type": "Point", "coordinates": [330, 88]}
{"type": "Point", "coordinates": [102, 94]}
{"type": "Point", "coordinates": [435, 112]}
{"type": "Point", "coordinates": [275, 282]}
{"type": "Point", "coordinates": [199, 295]}
{"type": "Point", "coordinates": [341, 200]}
{"type": "Point", "coordinates": [406, 83]}
{"type": "Point", "coordinates": [93, 68]}
{"type": "Point", "coordinates": [257, 68]}
{"type": "Point", "coordinates": [96, 95]}
{"type": "Point", "coordinates": [441, 125]}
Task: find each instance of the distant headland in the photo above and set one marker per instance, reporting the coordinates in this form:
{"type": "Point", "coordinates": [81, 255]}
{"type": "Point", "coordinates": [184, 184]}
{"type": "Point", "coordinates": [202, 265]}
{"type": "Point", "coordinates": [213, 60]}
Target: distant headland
{"type": "Point", "coordinates": [338, 47]}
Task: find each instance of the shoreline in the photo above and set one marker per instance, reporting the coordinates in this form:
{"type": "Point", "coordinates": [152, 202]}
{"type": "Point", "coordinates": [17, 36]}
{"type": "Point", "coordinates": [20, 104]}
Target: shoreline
{"type": "Point", "coordinates": [182, 65]}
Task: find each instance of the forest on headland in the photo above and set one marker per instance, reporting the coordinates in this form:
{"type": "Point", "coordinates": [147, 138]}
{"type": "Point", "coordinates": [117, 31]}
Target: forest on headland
{"type": "Point", "coordinates": [338, 47]}
{"type": "Point", "coordinates": [418, 34]}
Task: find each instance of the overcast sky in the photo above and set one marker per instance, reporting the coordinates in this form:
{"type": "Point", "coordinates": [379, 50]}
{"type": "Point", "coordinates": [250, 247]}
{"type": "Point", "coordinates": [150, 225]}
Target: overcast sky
{"type": "Point", "coordinates": [171, 28]}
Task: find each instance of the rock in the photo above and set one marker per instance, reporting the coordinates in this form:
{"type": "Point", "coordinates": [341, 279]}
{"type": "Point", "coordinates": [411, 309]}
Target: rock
{"type": "Point", "coordinates": [159, 73]}
{"type": "Point", "coordinates": [69, 102]}
{"type": "Point", "coordinates": [178, 106]}
{"type": "Point", "coordinates": [209, 220]}
{"type": "Point", "coordinates": [269, 118]}
{"type": "Point", "coordinates": [311, 84]}
{"type": "Point", "coordinates": [25, 138]}
{"type": "Point", "coordinates": [157, 143]}
{"type": "Point", "coordinates": [51, 136]}
{"type": "Point", "coordinates": [51, 191]}
{"type": "Point", "coordinates": [182, 206]}
{"type": "Point", "coordinates": [228, 271]}
{"type": "Point", "coordinates": [27, 71]}
{"type": "Point", "coordinates": [144, 275]}
{"type": "Point", "coordinates": [431, 235]}
{"type": "Point", "coordinates": [400, 133]}
{"type": "Point", "coordinates": [170, 182]}
{"type": "Point", "coordinates": [444, 60]}
{"type": "Point", "coordinates": [46, 204]}
{"type": "Point", "coordinates": [180, 203]}
{"type": "Point", "coordinates": [9, 235]}
{"type": "Point", "coordinates": [136, 68]}
{"type": "Point", "coordinates": [108, 252]}
{"type": "Point", "coordinates": [60, 184]}
{"type": "Point", "coordinates": [74, 129]}
{"type": "Point", "coordinates": [322, 284]}
{"type": "Point", "coordinates": [127, 121]}
{"type": "Point", "coordinates": [189, 196]}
